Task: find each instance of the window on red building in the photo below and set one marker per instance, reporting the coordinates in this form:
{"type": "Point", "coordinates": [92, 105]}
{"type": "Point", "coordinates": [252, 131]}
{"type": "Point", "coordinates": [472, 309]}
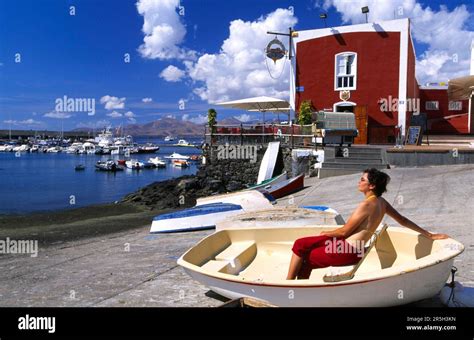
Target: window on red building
{"type": "Point", "coordinates": [346, 71]}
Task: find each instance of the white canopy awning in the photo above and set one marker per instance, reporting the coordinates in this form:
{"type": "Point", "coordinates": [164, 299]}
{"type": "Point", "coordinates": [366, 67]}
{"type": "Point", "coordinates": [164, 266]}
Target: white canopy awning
{"type": "Point", "coordinates": [261, 104]}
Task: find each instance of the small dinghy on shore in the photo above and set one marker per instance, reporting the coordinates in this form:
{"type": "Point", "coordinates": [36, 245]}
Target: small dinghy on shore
{"type": "Point", "coordinates": [197, 218]}
{"type": "Point", "coordinates": [254, 263]}
{"type": "Point", "coordinates": [209, 211]}
{"type": "Point", "coordinates": [285, 187]}
{"type": "Point", "coordinates": [250, 200]}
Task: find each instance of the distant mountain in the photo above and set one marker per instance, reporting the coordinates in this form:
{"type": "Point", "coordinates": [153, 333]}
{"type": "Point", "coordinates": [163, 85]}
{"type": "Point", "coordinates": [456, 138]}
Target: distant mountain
{"type": "Point", "coordinates": [229, 121]}
{"type": "Point", "coordinates": [161, 127]}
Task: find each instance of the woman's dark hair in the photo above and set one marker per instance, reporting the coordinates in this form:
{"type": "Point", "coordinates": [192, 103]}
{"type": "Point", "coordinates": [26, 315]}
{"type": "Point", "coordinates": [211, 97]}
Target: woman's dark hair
{"type": "Point", "coordinates": [379, 179]}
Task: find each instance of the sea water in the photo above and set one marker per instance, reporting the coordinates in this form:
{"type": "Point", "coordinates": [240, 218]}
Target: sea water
{"type": "Point", "coordinates": [48, 181]}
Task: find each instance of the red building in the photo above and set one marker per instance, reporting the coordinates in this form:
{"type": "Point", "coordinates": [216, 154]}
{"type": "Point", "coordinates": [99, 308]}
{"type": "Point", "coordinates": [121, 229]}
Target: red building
{"type": "Point", "coordinates": [369, 69]}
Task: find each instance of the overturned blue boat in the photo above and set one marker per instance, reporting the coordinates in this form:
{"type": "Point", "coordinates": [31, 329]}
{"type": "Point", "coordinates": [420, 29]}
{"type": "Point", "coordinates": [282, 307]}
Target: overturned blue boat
{"type": "Point", "coordinates": [196, 218]}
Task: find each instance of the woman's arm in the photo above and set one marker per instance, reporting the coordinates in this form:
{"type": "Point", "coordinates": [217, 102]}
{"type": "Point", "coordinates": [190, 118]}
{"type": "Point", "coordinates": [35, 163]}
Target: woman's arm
{"type": "Point", "coordinates": [359, 215]}
{"type": "Point", "coordinates": [409, 224]}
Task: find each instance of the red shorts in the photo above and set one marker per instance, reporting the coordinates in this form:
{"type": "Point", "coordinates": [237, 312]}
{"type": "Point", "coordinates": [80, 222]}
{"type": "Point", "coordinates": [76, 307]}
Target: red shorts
{"type": "Point", "coordinates": [324, 251]}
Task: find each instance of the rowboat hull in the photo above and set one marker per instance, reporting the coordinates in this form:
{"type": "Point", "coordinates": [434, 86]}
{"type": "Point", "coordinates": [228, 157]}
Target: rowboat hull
{"type": "Point", "coordinates": [196, 218]}
{"type": "Point", "coordinates": [269, 182]}
{"type": "Point", "coordinates": [267, 166]}
{"type": "Point", "coordinates": [250, 200]}
{"type": "Point", "coordinates": [285, 187]}
{"type": "Point", "coordinates": [401, 268]}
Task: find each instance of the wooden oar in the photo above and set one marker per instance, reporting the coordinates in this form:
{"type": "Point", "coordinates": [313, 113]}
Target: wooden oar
{"type": "Point", "coordinates": [350, 274]}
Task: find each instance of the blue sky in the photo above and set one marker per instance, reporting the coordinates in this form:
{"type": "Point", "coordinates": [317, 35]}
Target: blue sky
{"type": "Point", "coordinates": [196, 52]}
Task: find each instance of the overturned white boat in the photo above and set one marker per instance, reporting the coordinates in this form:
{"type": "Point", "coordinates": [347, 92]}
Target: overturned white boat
{"type": "Point", "coordinates": [250, 200]}
{"type": "Point", "coordinates": [402, 267]}
{"type": "Point", "coordinates": [282, 218]}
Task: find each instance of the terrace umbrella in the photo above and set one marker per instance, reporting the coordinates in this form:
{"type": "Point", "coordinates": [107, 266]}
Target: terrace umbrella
{"type": "Point", "coordinates": [261, 104]}
{"type": "Point", "coordinates": [463, 89]}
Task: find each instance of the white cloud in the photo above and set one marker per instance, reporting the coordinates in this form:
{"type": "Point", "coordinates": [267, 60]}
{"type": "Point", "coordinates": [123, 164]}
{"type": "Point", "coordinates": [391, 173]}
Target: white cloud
{"type": "Point", "coordinates": [170, 116]}
{"type": "Point", "coordinates": [129, 114]}
{"type": "Point", "coordinates": [200, 119]}
{"type": "Point", "coordinates": [448, 53]}
{"type": "Point", "coordinates": [172, 73]}
{"type": "Point", "coordinates": [239, 70]}
{"type": "Point", "coordinates": [132, 120]}
{"type": "Point", "coordinates": [57, 115]}
{"type": "Point", "coordinates": [243, 117]}
{"type": "Point", "coordinates": [30, 122]}
{"type": "Point", "coordinates": [147, 100]}
{"type": "Point", "coordinates": [114, 114]}
{"type": "Point", "coordinates": [94, 125]}
{"type": "Point", "coordinates": [112, 103]}
{"type": "Point", "coordinates": [163, 30]}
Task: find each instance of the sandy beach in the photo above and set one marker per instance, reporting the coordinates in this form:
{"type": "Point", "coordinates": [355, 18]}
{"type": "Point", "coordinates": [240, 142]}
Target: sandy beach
{"type": "Point", "coordinates": [104, 255]}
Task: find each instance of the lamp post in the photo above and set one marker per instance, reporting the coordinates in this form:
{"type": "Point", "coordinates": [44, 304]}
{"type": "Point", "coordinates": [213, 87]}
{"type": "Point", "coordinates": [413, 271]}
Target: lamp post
{"type": "Point", "coordinates": [324, 16]}
{"type": "Point", "coordinates": [365, 10]}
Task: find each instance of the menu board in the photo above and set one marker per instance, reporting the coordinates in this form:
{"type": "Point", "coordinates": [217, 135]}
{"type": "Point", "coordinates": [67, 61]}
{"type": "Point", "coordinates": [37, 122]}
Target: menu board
{"type": "Point", "coordinates": [413, 135]}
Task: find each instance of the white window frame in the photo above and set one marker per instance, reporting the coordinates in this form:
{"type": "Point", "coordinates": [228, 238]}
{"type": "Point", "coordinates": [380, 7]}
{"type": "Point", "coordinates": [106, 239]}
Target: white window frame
{"type": "Point", "coordinates": [354, 71]}
{"type": "Point", "coordinates": [455, 105]}
{"type": "Point", "coordinates": [432, 105]}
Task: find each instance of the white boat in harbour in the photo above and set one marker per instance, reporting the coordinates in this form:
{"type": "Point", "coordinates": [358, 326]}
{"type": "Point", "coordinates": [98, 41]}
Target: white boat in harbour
{"type": "Point", "coordinates": [157, 162]}
{"type": "Point", "coordinates": [183, 142]}
{"type": "Point", "coordinates": [180, 163]}
{"type": "Point", "coordinates": [254, 263]}
{"type": "Point", "coordinates": [134, 164]}
{"type": "Point", "coordinates": [21, 148]}
{"type": "Point", "coordinates": [169, 139]}
{"type": "Point", "coordinates": [176, 155]}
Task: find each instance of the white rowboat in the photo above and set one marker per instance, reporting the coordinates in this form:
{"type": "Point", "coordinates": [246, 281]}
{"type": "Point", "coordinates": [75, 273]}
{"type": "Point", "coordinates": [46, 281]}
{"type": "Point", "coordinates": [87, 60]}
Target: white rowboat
{"type": "Point", "coordinates": [402, 267]}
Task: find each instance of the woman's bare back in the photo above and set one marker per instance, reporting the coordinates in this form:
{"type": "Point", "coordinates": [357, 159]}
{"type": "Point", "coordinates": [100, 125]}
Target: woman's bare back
{"type": "Point", "coordinates": [375, 209]}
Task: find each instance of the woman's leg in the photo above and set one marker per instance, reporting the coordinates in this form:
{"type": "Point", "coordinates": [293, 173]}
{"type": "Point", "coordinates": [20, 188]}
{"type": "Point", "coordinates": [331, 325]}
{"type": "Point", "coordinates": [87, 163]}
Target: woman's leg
{"type": "Point", "coordinates": [305, 272]}
{"type": "Point", "coordinates": [300, 248]}
{"type": "Point", "coordinates": [295, 266]}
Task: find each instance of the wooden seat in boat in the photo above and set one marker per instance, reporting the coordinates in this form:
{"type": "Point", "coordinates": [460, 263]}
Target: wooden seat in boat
{"type": "Point", "coordinates": [232, 259]}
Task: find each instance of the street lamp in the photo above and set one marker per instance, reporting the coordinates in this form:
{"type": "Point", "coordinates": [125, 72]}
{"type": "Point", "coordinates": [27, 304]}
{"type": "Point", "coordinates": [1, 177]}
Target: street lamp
{"type": "Point", "coordinates": [365, 10]}
{"type": "Point", "coordinates": [323, 16]}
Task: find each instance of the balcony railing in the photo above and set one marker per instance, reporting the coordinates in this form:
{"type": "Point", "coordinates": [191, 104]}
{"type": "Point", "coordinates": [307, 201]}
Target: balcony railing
{"type": "Point", "coordinates": [290, 135]}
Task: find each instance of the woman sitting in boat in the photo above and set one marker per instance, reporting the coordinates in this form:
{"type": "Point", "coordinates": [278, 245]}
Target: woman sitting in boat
{"type": "Point", "coordinates": [344, 246]}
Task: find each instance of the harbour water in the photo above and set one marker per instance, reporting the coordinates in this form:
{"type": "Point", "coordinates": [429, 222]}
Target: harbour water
{"type": "Point", "coordinates": [36, 182]}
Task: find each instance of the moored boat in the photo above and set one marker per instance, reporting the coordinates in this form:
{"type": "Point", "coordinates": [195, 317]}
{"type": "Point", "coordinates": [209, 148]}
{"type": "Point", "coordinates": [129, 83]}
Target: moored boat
{"type": "Point", "coordinates": [180, 163]}
{"type": "Point", "coordinates": [183, 142]}
{"type": "Point", "coordinates": [176, 155]}
{"type": "Point", "coordinates": [157, 162]}
{"type": "Point", "coordinates": [108, 165]}
{"type": "Point", "coordinates": [254, 263]}
{"type": "Point", "coordinates": [134, 164]}
{"type": "Point", "coordinates": [79, 167]}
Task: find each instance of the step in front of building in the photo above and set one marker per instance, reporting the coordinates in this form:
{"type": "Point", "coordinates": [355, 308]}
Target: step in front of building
{"type": "Point", "coordinates": [355, 166]}
{"type": "Point", "coordinates": [344, 160]}
{"type": "Point", "coordinates": [330, 172]}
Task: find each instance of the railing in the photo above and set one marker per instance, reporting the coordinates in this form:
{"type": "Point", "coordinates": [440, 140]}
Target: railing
{"type": "Point", "coordinates": [290, 135]}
